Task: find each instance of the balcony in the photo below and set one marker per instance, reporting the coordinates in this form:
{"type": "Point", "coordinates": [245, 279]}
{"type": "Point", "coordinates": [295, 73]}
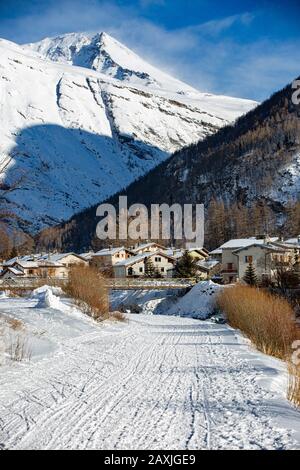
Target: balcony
{"type": "Point", "coordinates": [229, 271]}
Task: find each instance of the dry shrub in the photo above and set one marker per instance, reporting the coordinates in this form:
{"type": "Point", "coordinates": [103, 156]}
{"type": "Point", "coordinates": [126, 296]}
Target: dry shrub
{"type": "Point", "coordinates": [87, 287]}
{"type": "Point", "coordinates": [294, 383]}
{"type": "Point", "coordinates": [16, 292]}
{"type": "Point", "coordinates": [18, 348]}
{"type": "Point", "coordinates": [15, 324]}
{"type": "Point", "coordinates": [118, 316]}
{"type": "Point", "coordinates": [268, 320]}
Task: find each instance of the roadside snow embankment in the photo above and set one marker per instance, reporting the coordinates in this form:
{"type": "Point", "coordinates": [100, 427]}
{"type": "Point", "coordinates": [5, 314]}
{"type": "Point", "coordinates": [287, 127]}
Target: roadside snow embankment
{"type": "Point", "coordinates": [147, 302]}
{"type": "Point", "coordinates": [199, 302]}
{"type": "Point", "coordinates": [45, 320]}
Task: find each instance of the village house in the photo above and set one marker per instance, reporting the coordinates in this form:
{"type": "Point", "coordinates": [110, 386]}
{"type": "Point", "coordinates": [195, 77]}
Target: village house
{"type": "Point", "coordinates": [266, 255]}
{"type": "Point", "coordinates": [105, 259]}
{"type": "Point", "coordinates": [265, 258]}
{"type": "Point", "coordinates": [230, 261]}
{"type": "Point", "coordinates": [148, 247]}
{"type": "Point", "coordinates": [208, 268]}
{"type": "Point", "coordinates": [135, 266]}
{"type": "Point", "coordinates": [199, 254]}
{"type": "Point", "coordinates": [52, 265]}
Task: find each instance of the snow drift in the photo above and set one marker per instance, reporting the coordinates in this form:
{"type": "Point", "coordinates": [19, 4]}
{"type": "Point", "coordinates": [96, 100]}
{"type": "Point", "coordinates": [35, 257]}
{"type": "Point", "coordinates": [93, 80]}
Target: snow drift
{"type": "Point", "coordinates": [199, 302]}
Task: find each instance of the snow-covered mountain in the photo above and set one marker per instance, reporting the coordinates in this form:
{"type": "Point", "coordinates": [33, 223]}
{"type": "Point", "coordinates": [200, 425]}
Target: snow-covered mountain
{"type": "Point", "coordinates": [106, 55]}
{"type": "Point", "coordinates": [82, 117]}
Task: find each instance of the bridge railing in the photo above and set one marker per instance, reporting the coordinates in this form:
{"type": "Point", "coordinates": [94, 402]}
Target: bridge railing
{"type": "Point", "coordinates": [146, 283]}
{"type": "Point", "coordinates": [111, 283]}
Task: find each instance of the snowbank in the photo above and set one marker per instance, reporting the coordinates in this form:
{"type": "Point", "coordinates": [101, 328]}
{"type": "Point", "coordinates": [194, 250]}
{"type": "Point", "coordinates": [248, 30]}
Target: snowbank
{"type": "Point", "coordinates": [147, 302]}
{"type": "Point", "coordinates": [46, 321]}
{"type": "Point", "coordinates": [199, 302]}
{"type": "Point", "coordinates": [47, 299]}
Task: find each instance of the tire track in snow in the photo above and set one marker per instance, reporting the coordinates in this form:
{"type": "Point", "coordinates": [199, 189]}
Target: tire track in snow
{"type": "Point", "coordinates": [159, 382]}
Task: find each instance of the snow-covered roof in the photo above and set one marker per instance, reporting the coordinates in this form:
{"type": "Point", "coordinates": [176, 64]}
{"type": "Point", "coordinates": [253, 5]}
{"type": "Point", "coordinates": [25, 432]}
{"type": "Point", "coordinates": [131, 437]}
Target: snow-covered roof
{"type": "Point", "coordinates": [32, 257]}
{"type": "Point", "coordinates": [15, 271]}
{"type": "Point", "coordinates": [293, 241]}
{"type": "Point", "coordinates": [27, 264]}
{"type": "Point", "coordinates": [110, 251]}
{"type": "Point", "coordinates": [244, 242]}
{"type": "Point", "coordinates": [208, 264]}
{"type": "Point", "coordinates": [137, 258]}
{"type": "Point", "coordinates": [144, 246]}
{"type": "Point", "coordinates": [265, 246]}
{"type": "Point", "coordinates": [55, 257]}
{"type": "Point", "coordinates": [174, 253]}
{"type": "Point", "coordinates": [87, 256]}
{"type": "Point", "coordinates": [217, 251]}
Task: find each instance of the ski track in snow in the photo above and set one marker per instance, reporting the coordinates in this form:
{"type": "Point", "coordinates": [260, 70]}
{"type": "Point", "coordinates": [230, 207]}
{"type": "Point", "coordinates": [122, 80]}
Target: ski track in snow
{"type": "Point", "coordinates": [158, 382]}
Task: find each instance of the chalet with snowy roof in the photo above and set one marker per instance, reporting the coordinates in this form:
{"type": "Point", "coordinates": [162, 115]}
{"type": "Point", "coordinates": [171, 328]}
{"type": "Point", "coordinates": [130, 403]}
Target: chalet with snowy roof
{"type": "Point", "coordinates": [265, 258]}
{"type": "Point", "coordinates": [135, 266]}
{"type": "Point", "coordinates": [148, 247]}
{"type": "Point", "coordinates": [105, 259]}
{"type": "Point", "coordinates": [52, 265]}
{"type": "Point", "coordinates": [230, 262]}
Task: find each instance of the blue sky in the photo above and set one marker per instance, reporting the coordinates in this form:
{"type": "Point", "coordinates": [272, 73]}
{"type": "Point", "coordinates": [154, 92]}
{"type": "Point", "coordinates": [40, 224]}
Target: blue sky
{"type": "Point", "coordinates": [248, 49]}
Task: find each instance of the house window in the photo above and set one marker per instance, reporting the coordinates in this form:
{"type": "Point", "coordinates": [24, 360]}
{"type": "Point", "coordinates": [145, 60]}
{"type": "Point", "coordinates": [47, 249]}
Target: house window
{"type": "Point", "coordinates": [230, 266]}
{"type": "Point", "coordinates": [158, 259]}
{"type": "Point", "coordinates": [248, 259]}
{"type": "Point", "coordinates": [162, 270]}
{"type": "Point", "coordinates": [141, 270]}
{"type": "Point", "coordinates": [30, 271]}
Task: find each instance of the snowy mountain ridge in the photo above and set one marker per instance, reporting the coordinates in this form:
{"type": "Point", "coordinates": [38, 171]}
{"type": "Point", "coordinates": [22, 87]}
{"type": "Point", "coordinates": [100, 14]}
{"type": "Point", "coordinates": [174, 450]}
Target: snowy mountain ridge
{"type": "Point", "coordinates": [82, 127]}
{"type": "Point", "coordinates": [105, 54]}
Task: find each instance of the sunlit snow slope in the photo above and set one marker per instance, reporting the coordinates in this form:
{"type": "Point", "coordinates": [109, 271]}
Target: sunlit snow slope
{"type": "Point", "coordinates": [82, 117]}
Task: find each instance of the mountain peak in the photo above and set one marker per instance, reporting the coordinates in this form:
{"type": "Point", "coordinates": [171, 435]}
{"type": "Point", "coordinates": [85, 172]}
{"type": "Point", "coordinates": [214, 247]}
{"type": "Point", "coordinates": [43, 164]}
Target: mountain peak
{"type": "Point", "coordinates": [105, 54]}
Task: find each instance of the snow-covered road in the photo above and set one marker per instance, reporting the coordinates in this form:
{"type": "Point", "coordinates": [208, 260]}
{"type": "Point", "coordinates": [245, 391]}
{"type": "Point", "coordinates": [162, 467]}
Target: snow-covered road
{"type": "Point", "coordinates": [153, 383]}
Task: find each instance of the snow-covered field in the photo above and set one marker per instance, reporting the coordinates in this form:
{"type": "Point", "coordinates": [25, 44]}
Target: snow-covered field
{"type": "Point", "coordinates": [156, 382]}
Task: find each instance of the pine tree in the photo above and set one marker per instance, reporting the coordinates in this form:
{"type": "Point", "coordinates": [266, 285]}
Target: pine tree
{"type": "Point", "coordinates": [250, 275]}
{"type": "Point", "coordinates": [186, 266]}
{"type": "Point", "coordinates": [150, 270]}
